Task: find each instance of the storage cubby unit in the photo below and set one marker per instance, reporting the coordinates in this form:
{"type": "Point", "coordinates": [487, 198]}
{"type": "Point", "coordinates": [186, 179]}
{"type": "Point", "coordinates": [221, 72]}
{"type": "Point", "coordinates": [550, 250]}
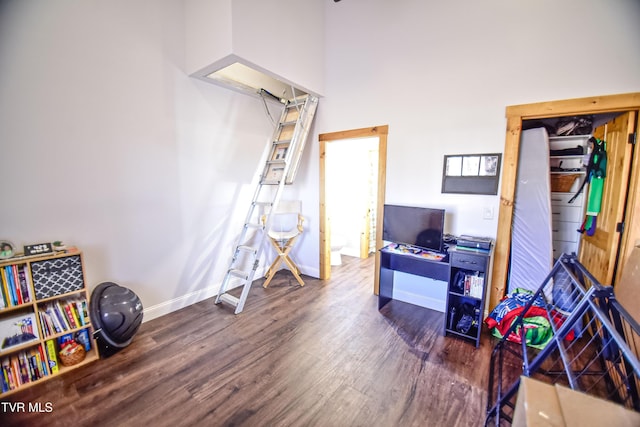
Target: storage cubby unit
{"type": "Point", "coordinates": [466, 293]}
{"type": "Point", "coordinates": [43, 303]}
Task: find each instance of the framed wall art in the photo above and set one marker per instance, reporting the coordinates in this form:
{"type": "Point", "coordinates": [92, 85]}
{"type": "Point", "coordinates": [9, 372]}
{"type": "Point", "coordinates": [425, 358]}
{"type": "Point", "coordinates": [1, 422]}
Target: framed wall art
{"type": "Point", "coordinates": [471, 173]}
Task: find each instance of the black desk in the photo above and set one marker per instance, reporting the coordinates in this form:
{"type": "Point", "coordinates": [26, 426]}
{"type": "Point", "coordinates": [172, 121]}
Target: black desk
{"type": "Point", "coordinates": [391, 261]}
{"type": "Point", "coordinates": [468, 261]}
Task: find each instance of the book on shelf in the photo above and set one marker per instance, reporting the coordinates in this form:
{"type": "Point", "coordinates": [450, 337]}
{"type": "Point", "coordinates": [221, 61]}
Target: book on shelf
{"type": "Point", "coordinates": [23, 279]}
{"type": "Point", "coordinates": [70, 317]}
{"type": "Point", "coordinates": [49, 324]}
{"type": "Point", "coordinates": [3, 298]}
{"type": "Point", "coordinates": [82, 337]}
{"type": "Point", "coordinates": [22, 297]}
{"type": "Point", "coordinates": [56, 309]}
{"type": "Point", "coordinates": [42, 360]}
{"type": "Point", "coordinates": [21, 368]}
{"type": "Point", "coordinates": [23, 371]}
{"type": "Point", "coordinates": [13, 296]}
{"type": "Point", "coordinates": [473, 285]}
{"type": "Point", "coordinates": [15, 286]}
{"type": "Point", "coordinates": [63, 315]}
{"type": "Point", "coordinates": [63, 339]}
{"type": "Point", "coordinates": [12, 285]}
{"type": "Point", "coordinates": [80, 309]}
{"type": "Point", "coordinates": [52, 358]}
{"type": "Point", "coordinates": [6, 296]}
{"type": "Point", "coordinates": [6, 385]}
{"type": "Point", "coordinates": [8, 373]}
{"type": "Point", "coordinates": [52, 320]}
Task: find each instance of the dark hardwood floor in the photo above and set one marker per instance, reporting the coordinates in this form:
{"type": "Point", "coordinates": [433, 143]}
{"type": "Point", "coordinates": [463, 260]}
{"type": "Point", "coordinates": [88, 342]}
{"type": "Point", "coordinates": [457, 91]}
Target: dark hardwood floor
{"type": "Point", "coordinates": [318, 355]}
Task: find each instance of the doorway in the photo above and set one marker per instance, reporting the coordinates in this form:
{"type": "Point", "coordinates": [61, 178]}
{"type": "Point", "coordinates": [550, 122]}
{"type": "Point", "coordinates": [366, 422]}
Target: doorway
{"type": "Point", "coordinates": [352, 189]}
{"type": "Point", "coordinates": [630, 212]}
{"type": "Point", "coordinates": [356, 136]}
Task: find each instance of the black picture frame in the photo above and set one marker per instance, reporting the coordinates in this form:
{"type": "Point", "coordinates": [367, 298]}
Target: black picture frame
{"type": "Point", "coordinates": [471, 173]}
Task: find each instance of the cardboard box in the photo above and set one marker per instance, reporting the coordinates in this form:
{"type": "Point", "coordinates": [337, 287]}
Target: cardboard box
{"type": "Point", "coordinates": [541, 404]}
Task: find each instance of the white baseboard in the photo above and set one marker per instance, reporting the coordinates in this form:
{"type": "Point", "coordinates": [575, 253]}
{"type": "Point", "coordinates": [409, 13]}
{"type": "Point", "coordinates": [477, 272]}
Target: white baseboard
{"type": "Point", "coordinates": [186, 300]}
{"type": "Point", "coordinates": [175, 304]}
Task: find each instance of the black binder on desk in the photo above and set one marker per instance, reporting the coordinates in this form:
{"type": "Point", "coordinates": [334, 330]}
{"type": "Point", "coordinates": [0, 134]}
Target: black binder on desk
{"type": "Point", "coordinates": [472, 242]}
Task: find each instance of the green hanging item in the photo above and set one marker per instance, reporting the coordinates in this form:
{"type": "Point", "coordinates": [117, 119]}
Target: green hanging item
{"type": "Point", "coordinates": [596, 172]}
{"type": "Point", "coordinates": [594, 201]}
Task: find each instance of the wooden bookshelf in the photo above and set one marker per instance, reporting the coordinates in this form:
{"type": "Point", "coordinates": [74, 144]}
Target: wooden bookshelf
{"type": "Point", "coordinates": [43, 301]}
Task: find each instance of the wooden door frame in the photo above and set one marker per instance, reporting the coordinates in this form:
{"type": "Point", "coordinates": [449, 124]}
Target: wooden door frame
{"type": "Point", "coordinates": [381, 133]}
{"type": "Point", "coordinates": [515, 115]}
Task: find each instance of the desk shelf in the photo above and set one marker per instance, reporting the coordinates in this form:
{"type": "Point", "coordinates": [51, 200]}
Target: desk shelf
{"type": "Point", "coordinates": [392, 260]}
{"type": "Point", "coordinates": [466, 293]}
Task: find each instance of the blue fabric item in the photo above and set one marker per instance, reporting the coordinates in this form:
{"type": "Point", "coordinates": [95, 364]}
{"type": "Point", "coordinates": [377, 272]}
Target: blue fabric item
{"type": "Point", "coordinates": [516, 300]}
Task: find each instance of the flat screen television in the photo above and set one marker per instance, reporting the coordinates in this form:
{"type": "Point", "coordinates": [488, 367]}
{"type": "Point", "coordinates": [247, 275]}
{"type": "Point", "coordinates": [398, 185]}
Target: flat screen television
{"type": "Point", "coordinates": [422, 227]}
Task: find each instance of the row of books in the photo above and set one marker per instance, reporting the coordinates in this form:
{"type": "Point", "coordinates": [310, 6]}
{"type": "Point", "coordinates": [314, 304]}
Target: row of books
{"type": "Point", "coordinates": [474, 285]}
{"type": "Point", "coordinates": [63, 315]}
{"type": "Point", "coordinates": [15, 287]}
{"type": "Point", "coordinates": [37, 362]}
{"type": "Point", "coordinates": [24, 367]}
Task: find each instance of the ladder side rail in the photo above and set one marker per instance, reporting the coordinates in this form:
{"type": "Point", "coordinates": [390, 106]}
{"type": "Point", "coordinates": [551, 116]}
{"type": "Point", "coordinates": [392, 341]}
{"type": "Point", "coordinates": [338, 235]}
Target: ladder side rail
{"type": "Point", "coordinates": [257, 191]}
{"type": "Point", "coordinates": [242, 238]}
{"type": "Point", "coordinates": [263, 239]}
{"type": "Point", "coordinates": [279, 191]}
{"type": "Point", "coordinates": [251, 211]}
{"type": "Point", "coordinates": [301, 133]}
{"type": "Point", "coordinates": [301, 127]}
{"type": "Point", "coordinates": [260, 249]}
{"type": "Point", "coordinates": [293, 143]}
{"type": "Point", "coordinates": [271, 147]}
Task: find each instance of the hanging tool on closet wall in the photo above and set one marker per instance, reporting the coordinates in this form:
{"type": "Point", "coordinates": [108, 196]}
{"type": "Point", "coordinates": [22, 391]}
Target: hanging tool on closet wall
{"type": "Point", "coordinates": [596, 173]}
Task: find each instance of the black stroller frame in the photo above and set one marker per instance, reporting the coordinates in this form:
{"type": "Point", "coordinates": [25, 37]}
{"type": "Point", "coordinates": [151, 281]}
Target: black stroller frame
{"type": "Point", "coordinates": [594, 348]}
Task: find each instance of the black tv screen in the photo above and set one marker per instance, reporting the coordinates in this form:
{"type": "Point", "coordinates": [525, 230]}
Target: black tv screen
{"type": "Point", "coordinates": [422, 227]}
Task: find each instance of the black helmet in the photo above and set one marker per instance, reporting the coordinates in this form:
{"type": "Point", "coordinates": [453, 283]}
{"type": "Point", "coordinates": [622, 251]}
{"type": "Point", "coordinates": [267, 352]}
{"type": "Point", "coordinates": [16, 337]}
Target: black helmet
{"type": "Point", "coordinates": [116, 313]}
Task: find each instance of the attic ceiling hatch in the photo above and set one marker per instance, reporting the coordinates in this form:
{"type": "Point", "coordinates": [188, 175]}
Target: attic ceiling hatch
{"type": "Point", "coordinates": [254, 81]}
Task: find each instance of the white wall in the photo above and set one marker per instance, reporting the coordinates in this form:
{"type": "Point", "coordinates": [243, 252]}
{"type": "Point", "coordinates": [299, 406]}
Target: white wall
{"type": "Point", "coordinates": [283, 37]}
{"type": "Point", "coordinates": [110, 146]}
{"type": "Point", "coordinates": [440, 74]}
{"type": "Point", "coordinates": [208, 32]}
{"type": "Point", "coordinates": [107, 144]}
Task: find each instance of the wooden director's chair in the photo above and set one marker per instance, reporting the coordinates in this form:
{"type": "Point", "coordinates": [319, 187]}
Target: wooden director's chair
{"type": "Point", "coordinates": [286, 227]}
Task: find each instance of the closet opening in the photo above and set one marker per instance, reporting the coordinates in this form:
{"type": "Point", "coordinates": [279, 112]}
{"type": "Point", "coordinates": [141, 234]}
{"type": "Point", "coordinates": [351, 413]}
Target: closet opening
{"type": "Point", "coordinates": [555, 205]}
{"type": "Point", "coordinates": [618, 223]}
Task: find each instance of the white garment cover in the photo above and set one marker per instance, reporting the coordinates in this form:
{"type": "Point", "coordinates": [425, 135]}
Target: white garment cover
{"type": "Point", "coordinates": [531, 239]}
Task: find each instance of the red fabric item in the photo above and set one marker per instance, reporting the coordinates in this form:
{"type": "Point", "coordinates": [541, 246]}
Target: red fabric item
{"type": "Point", "coordinates": [505, 323]}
